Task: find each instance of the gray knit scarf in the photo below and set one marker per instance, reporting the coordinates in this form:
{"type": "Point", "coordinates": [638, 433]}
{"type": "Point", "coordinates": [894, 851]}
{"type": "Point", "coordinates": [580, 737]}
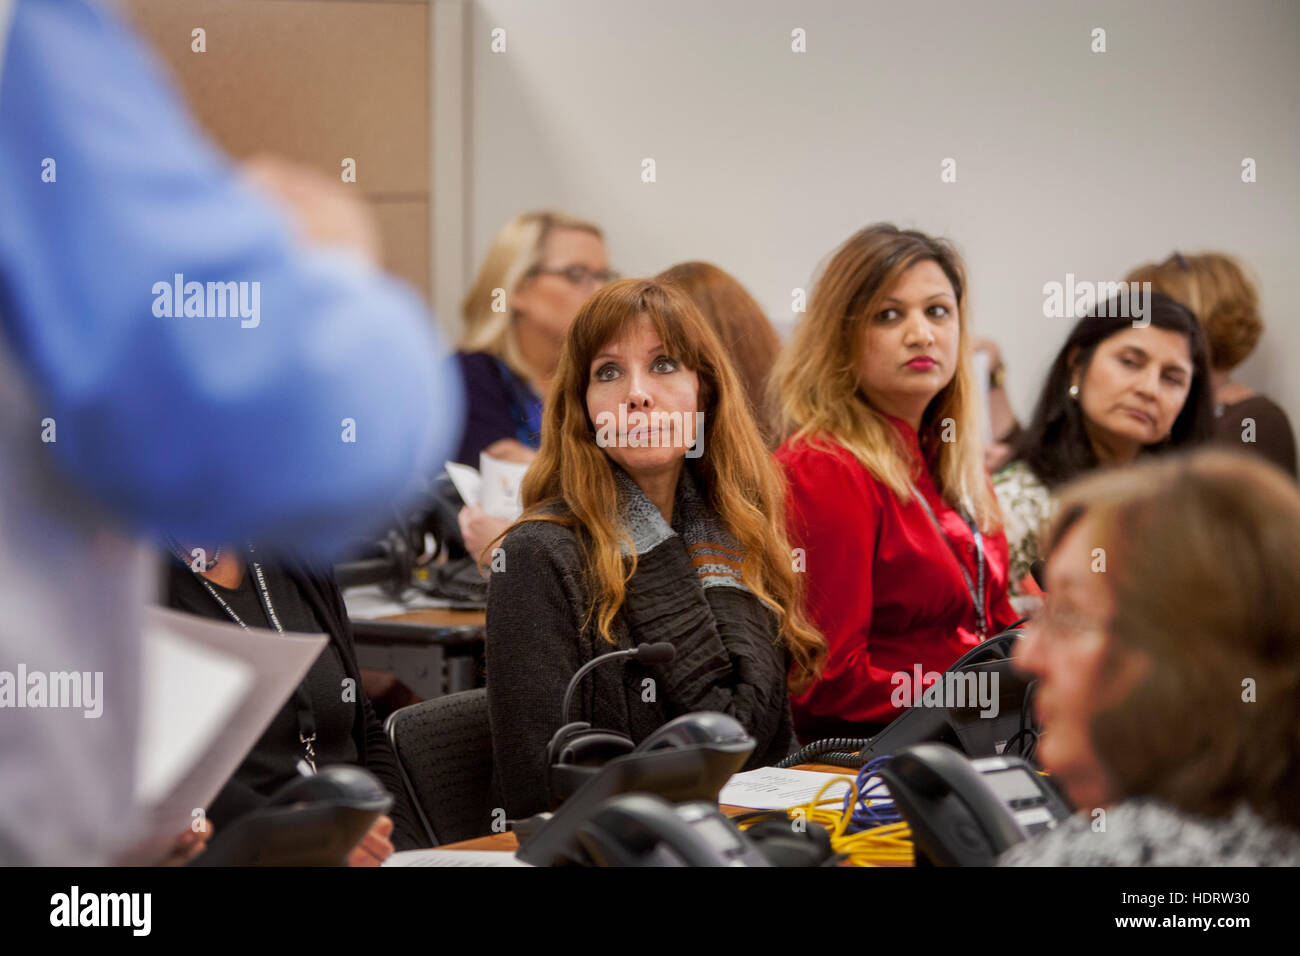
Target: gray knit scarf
{"type": "Point", "coordinates": [714, 553]}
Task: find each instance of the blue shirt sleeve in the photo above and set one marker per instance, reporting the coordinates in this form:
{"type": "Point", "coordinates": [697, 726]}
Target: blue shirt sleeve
{"type": "Point", "coordinates": [301, 421]}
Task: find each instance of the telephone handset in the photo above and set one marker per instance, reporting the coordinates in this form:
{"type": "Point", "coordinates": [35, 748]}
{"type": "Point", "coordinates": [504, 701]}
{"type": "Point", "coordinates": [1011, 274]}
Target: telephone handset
{"type": "Point", "coordinates": [967, 726]}
{"type": "Point", "coordinates": [638, 829]}
{"type": "Point", "coordinates": [687, 759]}
{"type": "Point", "coordinates": [966, 812]}
{"type": "Point", "coordinates": [311, 821]}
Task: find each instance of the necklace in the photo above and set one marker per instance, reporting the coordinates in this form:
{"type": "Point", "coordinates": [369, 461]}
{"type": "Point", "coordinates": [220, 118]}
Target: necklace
{"type": "Point", "coordinates": [198, 560]}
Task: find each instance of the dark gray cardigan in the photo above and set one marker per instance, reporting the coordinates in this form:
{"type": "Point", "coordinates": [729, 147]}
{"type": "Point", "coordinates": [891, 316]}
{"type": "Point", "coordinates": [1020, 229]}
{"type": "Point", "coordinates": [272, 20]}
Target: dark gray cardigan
{"type": "Point", "coordinates": [729, 658]}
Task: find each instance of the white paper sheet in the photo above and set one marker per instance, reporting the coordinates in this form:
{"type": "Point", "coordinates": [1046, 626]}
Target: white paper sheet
{"type": "Point", "coordinates": [169, 746]}
{"type": "Point", "coordinates": [774, 788]}
{"type": "Point", "coordinates": [438, 857]}
{"type": "Point", "coordinates": [502, 481]}
{"type": "Point", "coordinates": [467, 480]}
{"type": "Point", "coordinates": [494, 486]}
{"type": "Point", "coordinates": [211, 689]}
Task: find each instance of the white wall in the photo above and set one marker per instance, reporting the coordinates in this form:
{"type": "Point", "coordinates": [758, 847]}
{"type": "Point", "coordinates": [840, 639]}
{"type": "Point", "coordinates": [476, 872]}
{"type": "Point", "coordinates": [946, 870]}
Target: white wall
{"type": "Point", "coordinates": [1067, 160]}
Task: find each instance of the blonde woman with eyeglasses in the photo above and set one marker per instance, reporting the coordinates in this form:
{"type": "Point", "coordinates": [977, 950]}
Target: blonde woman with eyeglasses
{"type": "Point", "coordinates": [539, 270]}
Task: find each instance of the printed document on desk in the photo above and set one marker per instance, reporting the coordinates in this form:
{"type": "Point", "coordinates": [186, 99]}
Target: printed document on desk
{"type": "Point", "coordinates": [778, 788]}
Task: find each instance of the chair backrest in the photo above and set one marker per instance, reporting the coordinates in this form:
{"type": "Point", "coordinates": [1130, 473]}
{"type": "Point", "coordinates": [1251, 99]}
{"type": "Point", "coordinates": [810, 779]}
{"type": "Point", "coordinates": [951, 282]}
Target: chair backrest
{"type": "Point", "coordinates": [444, 750]}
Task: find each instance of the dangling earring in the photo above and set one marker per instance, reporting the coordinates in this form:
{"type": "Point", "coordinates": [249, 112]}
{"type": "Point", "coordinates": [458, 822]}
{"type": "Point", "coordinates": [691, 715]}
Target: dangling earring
{"type": "Point", "coordinates": [1074, 392]}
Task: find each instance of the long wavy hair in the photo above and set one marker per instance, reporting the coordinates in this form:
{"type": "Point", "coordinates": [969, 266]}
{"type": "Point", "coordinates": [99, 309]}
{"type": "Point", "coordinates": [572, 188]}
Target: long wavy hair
{"type": "Point", "coordinates": [817, 375]}
{"type": "Point", "coordinates": [571, 481]}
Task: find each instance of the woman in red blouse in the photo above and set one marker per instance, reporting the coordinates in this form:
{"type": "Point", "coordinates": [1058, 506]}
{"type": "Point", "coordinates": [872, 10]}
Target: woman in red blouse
{"type": "Point", "coordinates": [897, 526]}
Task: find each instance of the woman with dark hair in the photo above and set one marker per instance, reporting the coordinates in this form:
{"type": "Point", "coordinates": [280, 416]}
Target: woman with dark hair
{"type": "Point", "coordinates": [1118, 388]}
{"type": "Point", "coordinates": [1219, 293]}
{"type": "Point", "coordinates": [329, 719]}
{"type": "Point", "coordinates": [1168, 687]}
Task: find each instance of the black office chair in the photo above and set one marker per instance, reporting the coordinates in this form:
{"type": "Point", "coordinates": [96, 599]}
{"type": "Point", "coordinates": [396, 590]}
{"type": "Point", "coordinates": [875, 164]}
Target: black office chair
{"type": "Point", "coordinates": [444, 750]}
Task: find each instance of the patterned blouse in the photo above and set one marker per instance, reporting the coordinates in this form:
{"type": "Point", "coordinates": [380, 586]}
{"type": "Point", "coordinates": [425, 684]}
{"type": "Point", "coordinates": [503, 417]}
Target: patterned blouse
{"type": "Point", "coordinates": [1027, 506]}
{"type": "Point", "coordinates": [1149, 832]}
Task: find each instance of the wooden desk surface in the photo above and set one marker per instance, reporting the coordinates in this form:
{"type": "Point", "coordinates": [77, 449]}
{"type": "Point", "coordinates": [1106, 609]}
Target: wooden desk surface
{"type": "Point", "coordinates": [508, 843]}
{"type": "Point", "coordinates": [441, 617]}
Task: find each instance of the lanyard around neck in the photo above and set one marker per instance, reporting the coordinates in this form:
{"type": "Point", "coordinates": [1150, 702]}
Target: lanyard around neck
{"type": "Point", "coordinates": [302, 700]}
{"type": "Point", "coordinates": [975, 591]}
{"type": "Point", "coordinates": [263, 592]}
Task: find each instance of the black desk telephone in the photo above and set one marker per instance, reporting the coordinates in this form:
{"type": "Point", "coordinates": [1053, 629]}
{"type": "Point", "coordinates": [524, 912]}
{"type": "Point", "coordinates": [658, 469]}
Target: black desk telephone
{"type": "Point", "coordinates": [965, 727]}
{"type": "Point", "coordinates": [1011, 731]}
{"type": "Point", "coordinates": [638, 829]}
{"type": "Point", "coordinates": [310, 821]}
{"type": "Point", "coordinates": [966, 812]}
{"type": "Point", "coordinates": [687, 759]}
{"type": "Point", "coordinates": [961, 812]}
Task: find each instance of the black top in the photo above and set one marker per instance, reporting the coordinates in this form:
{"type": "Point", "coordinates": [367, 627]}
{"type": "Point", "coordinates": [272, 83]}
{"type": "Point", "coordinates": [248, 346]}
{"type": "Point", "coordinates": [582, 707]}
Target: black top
{"type": "Point", "coordinates": [272, 762]}
{"type": "Point", "coordinates": [500, 405]}
{"type": "Point", "coordinates": [347, 729]}
{"type": "Point", "coordinates": [1258, 425]}
{"type": "Point", "coordinates": [729, 657]}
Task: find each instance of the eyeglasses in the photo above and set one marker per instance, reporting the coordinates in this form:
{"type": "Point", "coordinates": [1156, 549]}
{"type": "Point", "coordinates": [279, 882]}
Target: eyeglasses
{"type": "Point", "coordinates": [1055, 622]}
{"type": "Point", "coordinates": [578, 275]}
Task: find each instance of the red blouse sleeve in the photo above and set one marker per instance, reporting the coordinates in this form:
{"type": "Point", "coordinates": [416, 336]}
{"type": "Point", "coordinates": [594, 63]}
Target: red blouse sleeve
{"type": "Point", "coordinates": [833, 510]}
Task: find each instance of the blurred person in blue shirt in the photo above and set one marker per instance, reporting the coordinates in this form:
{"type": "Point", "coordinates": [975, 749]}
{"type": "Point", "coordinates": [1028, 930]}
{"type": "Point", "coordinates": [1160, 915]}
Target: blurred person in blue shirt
{"type": "Point", "coordinates": [299, 410]}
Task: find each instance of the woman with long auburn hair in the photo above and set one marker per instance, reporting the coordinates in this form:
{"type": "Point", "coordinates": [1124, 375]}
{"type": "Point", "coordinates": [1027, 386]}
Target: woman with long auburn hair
{"type": "Point", "coordinates": [888, 496]}
{"type": "Point", "coordinates": [652, 513]}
